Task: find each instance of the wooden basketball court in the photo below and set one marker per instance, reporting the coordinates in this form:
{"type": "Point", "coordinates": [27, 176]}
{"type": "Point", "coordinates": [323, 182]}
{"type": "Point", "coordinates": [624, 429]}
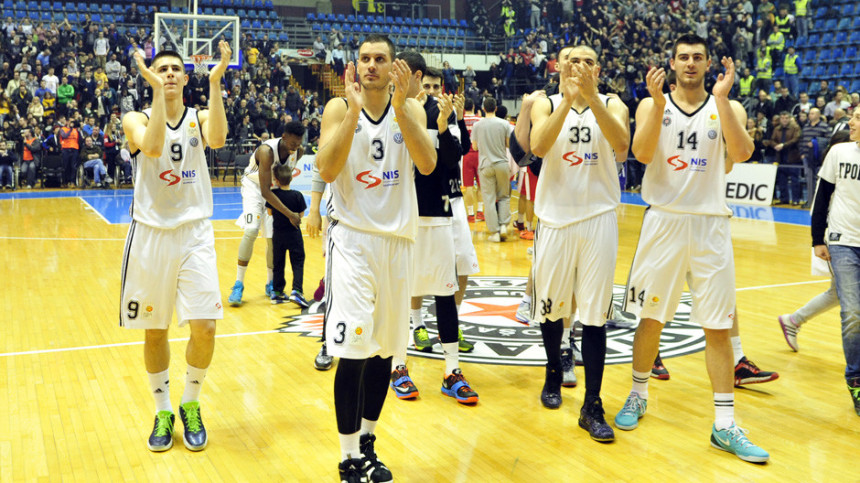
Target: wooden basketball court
{"type": "Point", "coordinates": [76, 403]}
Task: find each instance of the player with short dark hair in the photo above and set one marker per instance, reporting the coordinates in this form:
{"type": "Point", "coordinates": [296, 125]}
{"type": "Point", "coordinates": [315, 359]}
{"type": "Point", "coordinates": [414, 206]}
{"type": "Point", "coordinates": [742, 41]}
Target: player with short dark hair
{"type": "Point", "coordinates": [170, 229]}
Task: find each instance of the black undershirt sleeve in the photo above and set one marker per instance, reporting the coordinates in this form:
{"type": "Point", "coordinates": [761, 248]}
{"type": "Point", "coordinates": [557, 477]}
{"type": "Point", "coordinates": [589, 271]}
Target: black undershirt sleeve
{"type": "Point", "coordinates": [465, 138]}
{"type": "Point", "coordinates": [820, 206]}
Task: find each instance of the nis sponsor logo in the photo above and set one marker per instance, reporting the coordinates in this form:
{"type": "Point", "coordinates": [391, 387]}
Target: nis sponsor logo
{"type": "Point", "coordinates": [371, 181]}
{"type": "Point", "coordinates": [171, 178]}
{"type": "Point", "coordinates": [695, 164]}
{"type": "Point", "coordinates": [577, 159]}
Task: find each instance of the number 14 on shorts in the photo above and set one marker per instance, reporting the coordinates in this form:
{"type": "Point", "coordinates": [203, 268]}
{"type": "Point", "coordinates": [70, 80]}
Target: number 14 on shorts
{"type": "Point", "coordinates": [638, 297]}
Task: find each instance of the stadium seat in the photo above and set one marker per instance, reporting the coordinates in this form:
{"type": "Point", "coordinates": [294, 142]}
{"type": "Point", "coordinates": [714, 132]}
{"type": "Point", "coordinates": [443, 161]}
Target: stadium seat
{"type": "Point", "coordinates": [258, 4]}
{"type": "Point", "coordinates": [844, 24]}
{"type": "Point", "coordinates": [422, 43]}
{"type": "Point", "coordinates": [267, 25]}
{"type": "Point", "coordinates": [435, 22]}
{"type": "Point", "coordinates": [341, 18]}
{"type": "Point", "coordinates": [851, 53]}
{"type": "Point", "coordinates": [827, 39]}
{"type": "Point", "coordinates": [246, 24]}
{"type": "Point", "coordinates": [837, 54]}
{"type": "Point", "coordinates": [846, 71]}
{"type": "Point", "coordinates": [268, 4]}
{"type": "Point", "coordinates": [413, 42]}
{"type": "Point", "coordinates": [431, 43]}
{"type": "Point", "coordinates": [423, 31]}
{"type": "Point", "coordinates": [409, 21]}
{"type": "Point", "coordinates": [395, 30]}
{"type": "Point", "coordinates": [361, 19]}
{"type": "Point", "coordinates": [824, 56]}
{"type": "Point", "coordinates": [376, 28]}
{"type": "Point", "coordinates": [847, 11]}
{"type": "Point", "coordinates": [283, 37]}
{"type": "Point", "coordinates": [814, 40]}
{"type": "Point", "coordinates": [841, 38]}
{"type": "Point", "coordinates": [459, 45]}
{"type": "Point", "coordinates": [832, 71]}
{"type": "Point", "coordinates": [273, 15]}
{"type": "Point", "coordinates": [273, 36]}
{"type": "Point", "coordinates": [386, 30]}
{"type": "Point", "coordinates": [808, 57]}
{"type": "Point", "coordinates": [445, 22]}
{"type": "Point", "coordinates": [464, 24]}
{"type": "Point", "coordinates": [401, 42]}
{"type": "Point", "coordinates": [855, 86]}
{"type": "Point", "coordinates": [252, 14]}
{"type": "Point", "coordinates": [208, 11]}
{"type": "Point", "coordinates": [311, 17]}
{"type": "Point", "coordinates": [778, 73]}
{"type": "Point", "coordinates": [96, 17]}
{"type": "Point", "coordinates": [449, 44]}
{"type": "Point", "coordinates": [820, 12]}
{"type": "Point", "coordinates": [425, 22]}
{"type": "Point", "coordinates": [72, 16]}
{"type": "Point", "coordinates": [820, 71]}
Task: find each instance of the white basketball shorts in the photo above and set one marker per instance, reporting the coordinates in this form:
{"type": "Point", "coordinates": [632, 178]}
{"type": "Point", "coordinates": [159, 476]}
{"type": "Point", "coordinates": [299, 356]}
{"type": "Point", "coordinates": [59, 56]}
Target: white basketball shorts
{"type": "Point", "coordinates": [254, 214]}
{"type": "Point", "coordinates": [464, 249]}
{"type": "Point", "coordinates": [368, 280]}
{"type": "Point", "coordinates": [435, 266]}
{"type": "Point", "coordinates": [163, 268]}
{"type": "Point", "coordinates": [674, 248]}
{"type": "Point", "coordinates": [575, 260]}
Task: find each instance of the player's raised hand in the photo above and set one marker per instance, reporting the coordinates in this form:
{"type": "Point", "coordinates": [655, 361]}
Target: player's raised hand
{"type": "Point", "coordinates": [567, 84]}
{"type": "Point", "coordinates": [655, 80]}
{"type": "Point", "coordinates": [217, 72]}
{"type": "Point", "coordinates": [352, 88]}
{"type": "Point", "coordinates": [401, 77]}
{"type": "Point", "coordinates": [154, 80]}
{"type": "Point", "coordinates": [446, 107]}
{"type": "Point", "coordinates": [460, 106]}
{"type": "Point", "coordinates": [586, 79]}
{"type": "Point", "coordinates": [725, 81]}
{"type": "Point", "coordinates": [421, 97]}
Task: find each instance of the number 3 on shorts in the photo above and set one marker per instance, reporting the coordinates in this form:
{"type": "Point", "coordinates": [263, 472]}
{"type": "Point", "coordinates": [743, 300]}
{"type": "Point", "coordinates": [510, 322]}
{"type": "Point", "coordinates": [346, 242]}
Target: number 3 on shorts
{"type": "Point", "coordinates": [341, 333]}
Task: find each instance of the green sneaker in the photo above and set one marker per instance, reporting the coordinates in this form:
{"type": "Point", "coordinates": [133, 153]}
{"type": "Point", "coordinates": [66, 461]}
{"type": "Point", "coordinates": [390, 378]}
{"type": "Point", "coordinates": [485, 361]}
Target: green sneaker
{"type": "Point", "coordinates": [422, 340]}
{"type": "Point", "coordinates": [464, 345]}
{"type": "Point", "coordinates": [195, 433]}
{"type": "Point", "coordinates": [161, 438]}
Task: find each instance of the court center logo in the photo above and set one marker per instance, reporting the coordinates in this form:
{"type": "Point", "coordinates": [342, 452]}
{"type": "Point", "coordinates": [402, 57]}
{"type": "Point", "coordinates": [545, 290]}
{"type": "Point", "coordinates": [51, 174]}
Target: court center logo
{"type": "Point", "coordinates": [488, 319]}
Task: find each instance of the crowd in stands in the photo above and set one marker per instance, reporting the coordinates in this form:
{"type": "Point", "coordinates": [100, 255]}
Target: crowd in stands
{"type": "Point", "coordinates": [57, 75]}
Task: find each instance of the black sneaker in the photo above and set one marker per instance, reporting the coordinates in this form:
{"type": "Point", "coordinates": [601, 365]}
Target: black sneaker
{"type": "Point", "coordinates": [195, 433]}
{"type": "Point", "coordinates": [161, 438]}
{"type": "Point", "coordinates": [350, 471]}
{"type": "Point", "coordinates": [658, 370]}
{"type": "Point", "coordinates": [854, 389]}
{"type": "Point", "coordinates": [591, 419]}
{"type": "Point", "coordinates": [371, 467]}
{"type": "Point", "coordinates": [323, 361]}
{"type": "Point", "coordinates": [279, 298]}
{"type": "Point", "coordinates": [550, 396]}
{"type": "Point", "coordinates": [746, 372]}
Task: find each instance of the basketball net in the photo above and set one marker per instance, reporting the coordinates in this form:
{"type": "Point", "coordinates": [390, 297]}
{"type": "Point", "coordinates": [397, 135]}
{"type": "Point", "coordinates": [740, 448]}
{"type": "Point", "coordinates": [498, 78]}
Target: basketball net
{"type": "Point", "coordinates": [200, 63]}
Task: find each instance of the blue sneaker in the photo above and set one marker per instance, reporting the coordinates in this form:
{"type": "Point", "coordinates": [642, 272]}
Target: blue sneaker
{"type": "Point", "coordinates": [270, 289]}
{"type": "Point", "coordinates": [235, 298]}
{"type": "Point", "coordinates": [633, 410]}
{"type": "Point", "coordinates": [298, 298]}
{"type": "Point", "coordinates": [734, 441]}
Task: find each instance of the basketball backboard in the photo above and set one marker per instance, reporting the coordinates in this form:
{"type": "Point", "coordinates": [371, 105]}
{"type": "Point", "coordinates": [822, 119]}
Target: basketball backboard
{"type": "Point", "coordinates": [197, 35]}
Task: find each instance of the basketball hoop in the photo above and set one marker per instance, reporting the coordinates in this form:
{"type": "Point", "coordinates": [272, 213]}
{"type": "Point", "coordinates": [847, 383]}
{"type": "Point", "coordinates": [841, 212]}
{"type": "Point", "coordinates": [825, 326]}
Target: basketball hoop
{"type": "Point", "coordinates": [200, 63]}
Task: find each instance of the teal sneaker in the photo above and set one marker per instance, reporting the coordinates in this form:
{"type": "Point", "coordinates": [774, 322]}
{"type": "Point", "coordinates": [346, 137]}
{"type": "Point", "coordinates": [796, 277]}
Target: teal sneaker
{"type": "Point", "coordinates": [235, 298]}
{"type": "Point", "coordinates": [633, 410]}
{"type": "Point", "coordinates": [734, 441]}
{"type": "Point", "coordinates": [270, 289]}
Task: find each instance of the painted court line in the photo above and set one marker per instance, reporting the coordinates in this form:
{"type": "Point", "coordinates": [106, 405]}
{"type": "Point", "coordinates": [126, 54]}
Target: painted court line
{"type": "Point", "coordinates": [36, 238]}
{"type": "Point", "coordinates": [760, 287]}
{"type": "Point", "coordinates": [121, 344]}
{"type": "Point", "coordinates": [94, 210]}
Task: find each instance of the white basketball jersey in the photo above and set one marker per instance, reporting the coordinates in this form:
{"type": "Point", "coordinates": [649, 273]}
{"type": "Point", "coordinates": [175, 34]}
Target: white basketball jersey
{"type": "Point", "coordinates": [578, 179]}
{"type": "Point", "coordinates": [375, 191]}
{"type": "Point", "coordinates": [174, 188]}
{"type": "Point", "coordinates": [688, 171]}
{"type": "Point", "coordinates": [252, 171]}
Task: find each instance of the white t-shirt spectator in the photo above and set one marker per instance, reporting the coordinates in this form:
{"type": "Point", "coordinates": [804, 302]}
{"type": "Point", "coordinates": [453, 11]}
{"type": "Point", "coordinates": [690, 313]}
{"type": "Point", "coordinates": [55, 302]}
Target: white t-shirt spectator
{"type": "Point", "coordinates": [841, 167]}
{"type": "Point", "coordinates": [51, 83]}
{"type": "Point", "coordinates": [101, 47]}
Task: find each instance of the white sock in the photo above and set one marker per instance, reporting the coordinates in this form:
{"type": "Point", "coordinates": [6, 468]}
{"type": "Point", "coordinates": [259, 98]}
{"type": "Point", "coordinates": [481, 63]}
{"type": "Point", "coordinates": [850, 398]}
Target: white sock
{"type": "Point", "coordinates": [349, 445]}
{"type": "Point", "coordinates": [397, 361]}
{"type": "Point", "coordinates": [367, 426]}
{"type": "Point", "coordinates": [521, 217]}
{"type": "Point", "coordinates": [194, 377]}
{"type": "Point", "coordinates": [737, 349]}
{"type": "Point", "coordinates": [481, 206]}
{"type": "Point", "coordinates": [526, 298]}
{"type": "Point", "coordinates": [271, 273]}
{"type": "Point", "coordinates": [565, 338]}
{"type": "Point", "coordinates": [415, 317]}
{"type": "Point", "coordinates": [240, 273]}
{"type": "Point", "coordinates": [724, 410]}
{"type": "Point", "coordinates": [160, 385]}
{"type": "Point", "coordinates": [470, 210]}
{"type": "Point", "coordinates": [452, 356]}
{"type": "Point", "coordinates": [640, 383]}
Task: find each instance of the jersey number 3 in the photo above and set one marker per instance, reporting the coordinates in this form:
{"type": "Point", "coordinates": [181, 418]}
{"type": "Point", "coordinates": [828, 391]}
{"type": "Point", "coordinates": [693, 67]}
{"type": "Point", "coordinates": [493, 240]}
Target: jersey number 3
{"type": "Point", "coordinates": [378, 149]}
